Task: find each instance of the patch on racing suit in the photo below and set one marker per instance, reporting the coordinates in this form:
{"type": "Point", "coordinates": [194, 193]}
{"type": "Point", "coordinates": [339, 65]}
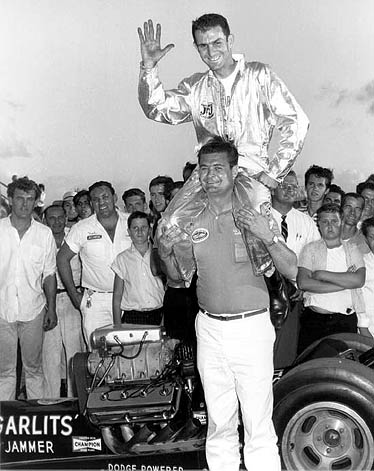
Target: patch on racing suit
{"type": "Point", "coordinates": [206, 110]}
{"type": "Point", "coordinates": [199, 235]}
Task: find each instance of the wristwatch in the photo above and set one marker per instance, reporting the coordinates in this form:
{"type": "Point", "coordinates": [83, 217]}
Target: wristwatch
{"type": "Point", "coordinates": [274, 240]}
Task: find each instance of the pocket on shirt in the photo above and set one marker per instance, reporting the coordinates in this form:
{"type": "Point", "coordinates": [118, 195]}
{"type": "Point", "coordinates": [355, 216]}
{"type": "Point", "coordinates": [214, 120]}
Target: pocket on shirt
{"type": "Point", "coordinates": [96, 249]}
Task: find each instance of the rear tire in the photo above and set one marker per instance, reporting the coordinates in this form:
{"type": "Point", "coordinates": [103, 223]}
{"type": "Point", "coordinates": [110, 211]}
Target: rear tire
{"type": "Point", "coordinates": [323, 415]}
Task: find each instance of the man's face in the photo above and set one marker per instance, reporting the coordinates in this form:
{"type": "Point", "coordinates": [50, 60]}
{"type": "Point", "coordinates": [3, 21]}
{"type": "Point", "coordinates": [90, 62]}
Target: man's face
{"type": "Point", "coordinates": [352, 210]}
{"type": "Point", "coordinates": [316, 188]}
{"type": "Point", "coordinates": [84, 207]}
{"type": "Point", "coordinates": [370, 238]}
{"type": "Point", "coordinates": [333, 197]}
{"type": "Point", "coordinates": [286, 191]}
{"type": "Point", "coordinates": [368, 196]}
{"type": "Point", "coordinates": [55, 219]}
{"type": "Point", "coordinates": [329, 225]}
{"type": "Point", "coordinates": [23, 203]}
{"type": "Point", "coordinates": [216, 175]}
{"type": "Point", "coordinates": [214, 48]}
{"type": "Point", "coordinates": [157, 196]}
{"type": "Point", "coordinates": [134, 203]}
{"type": "Point", "coordinates": [103, 202]}
{"type": "Point", "coordinates": [70, 210]}
{"type": "Point", "coordinates": [139, 231]}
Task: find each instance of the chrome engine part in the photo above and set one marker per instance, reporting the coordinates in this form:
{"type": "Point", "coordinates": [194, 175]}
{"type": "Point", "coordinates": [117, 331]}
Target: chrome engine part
{"type": "Point", "coordinates": [137, 386]}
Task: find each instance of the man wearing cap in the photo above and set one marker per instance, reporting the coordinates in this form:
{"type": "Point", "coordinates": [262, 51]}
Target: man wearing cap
{"type": "Point", "coordinates": [69, 207]}
{"type": "Point", "coordinates": [98, 240]}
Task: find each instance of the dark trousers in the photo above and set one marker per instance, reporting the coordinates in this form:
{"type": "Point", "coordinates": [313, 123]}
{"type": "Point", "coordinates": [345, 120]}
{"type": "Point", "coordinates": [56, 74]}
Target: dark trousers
{"type": "Point", "coordinates": [152, 317]}
{"type": "Point", "coordinates": [314, 326]}
{"type": "Point", "coordinates": [180, 309]}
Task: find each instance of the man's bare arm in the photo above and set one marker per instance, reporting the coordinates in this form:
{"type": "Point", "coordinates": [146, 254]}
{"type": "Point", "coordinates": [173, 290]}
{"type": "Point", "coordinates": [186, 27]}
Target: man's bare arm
{"type": "Point", "coordinates": [64, 256]}
{"type": "Point", "coordinates": [259, 225]}
{"type": "Point", "coordinates": [347, 280]}
{"type": "Point", "coordinates": [50, 317]}
{"type": "Point", "coordinates": [306, 282]}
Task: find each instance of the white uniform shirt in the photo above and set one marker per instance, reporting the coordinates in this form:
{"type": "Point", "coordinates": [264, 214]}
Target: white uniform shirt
{"type": "Point", "coordinates": [142, 290]}
{"type": "Point", "coordinates": [368, 290]}
{"type": "Point", "coordinates": [301, 229]}
{"type": "Point", "coordinates": [97, 251]}
{"type": "Point", "coordinates": [24, 265]}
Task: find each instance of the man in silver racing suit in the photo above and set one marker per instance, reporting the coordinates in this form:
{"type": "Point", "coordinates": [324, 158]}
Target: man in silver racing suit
{"type": "Point", "coordinates": [239, 101]}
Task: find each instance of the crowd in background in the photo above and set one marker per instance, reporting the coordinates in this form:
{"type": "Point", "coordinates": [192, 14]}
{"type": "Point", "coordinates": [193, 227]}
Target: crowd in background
{"type": "Point", "coordinates": [137, 291]}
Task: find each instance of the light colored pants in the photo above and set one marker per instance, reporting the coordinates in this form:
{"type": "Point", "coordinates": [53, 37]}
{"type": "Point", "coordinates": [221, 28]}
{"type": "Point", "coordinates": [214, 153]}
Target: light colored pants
{"type": "Point", "coordinates": [64, 341]}
{"type": "Point", "coordinates": [235, 362]}
{"type": "Point", "coordinates": [97, 313]}
{"type": "Point", "coordinates": [30, 335]}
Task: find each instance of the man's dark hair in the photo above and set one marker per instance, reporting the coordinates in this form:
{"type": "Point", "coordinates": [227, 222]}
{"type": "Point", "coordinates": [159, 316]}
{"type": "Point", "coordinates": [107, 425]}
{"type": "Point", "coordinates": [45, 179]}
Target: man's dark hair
{"type": "Point", "coordinates": [80, 195]}
{"type": "Point", "coordinates": [319, 172]}
{"type": "Point", "coordinates": [101, 183]}
{"type": "Point", "coordinates": [352, 195]}
{"type": "Point", "coordinates": [336, 189]}
{"type": "Point", "coordinates": [210, 20]}
{"type": "Point", "coordinates": [329, 208]}
{"type": "Point", "coordinates": [52, 206]}
{"type": "Point", "coordinates": [187, 170]}
{"type": "Point", "coordinates": [133, 192]}
{"type": "Point", "coordinates": [138, 215]}
{"type": "Point", "coordinates": [178, 184]}
{"type": "Point", "coordinates": [219, 145]}
{"type": "Point", "coordinates": [369, 222]}
{"type": "Point", "coordinates": [24, 184]}
{"type": "Point", "coordinates": [166, 181]}
{"type": "Point", "coordinates": [368, 185]}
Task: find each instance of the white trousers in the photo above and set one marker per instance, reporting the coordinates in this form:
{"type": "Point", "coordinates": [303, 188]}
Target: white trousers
{"type": "Point", "coordinates": [96, 313]}
{"type": "Point", "coordinates": [235, 362]}
{"type": "Point", "coordinates": [62, 342]}
{"type": "Point", "coordinates": [30, 335]}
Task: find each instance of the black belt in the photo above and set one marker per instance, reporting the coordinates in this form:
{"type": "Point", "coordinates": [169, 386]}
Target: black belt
{"type": "Point", "coordinates": [62, 290]}
{"type": "Point", "coordinates": [234, 317]}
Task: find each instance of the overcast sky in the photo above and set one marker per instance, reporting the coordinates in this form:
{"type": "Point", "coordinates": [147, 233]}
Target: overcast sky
{"type": "Point", "coordinates": [69, 113]}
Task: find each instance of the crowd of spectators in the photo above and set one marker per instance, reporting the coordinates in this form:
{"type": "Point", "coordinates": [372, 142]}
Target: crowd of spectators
{"type": "Point", "coordinates": [108, 269]}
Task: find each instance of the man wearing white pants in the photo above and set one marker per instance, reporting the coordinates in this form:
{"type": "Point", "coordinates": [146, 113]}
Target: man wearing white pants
{"type": "Point", "coordinates": [234, 333]}
{"type": "Point", "coordinates": [98, 240]}
{"type": "Point", "coordinates": [66, 339]}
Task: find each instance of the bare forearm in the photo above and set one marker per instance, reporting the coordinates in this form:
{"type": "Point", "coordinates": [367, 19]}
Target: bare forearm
{"type": "Point", "coordinates": [347, 280]}
{"type": "Point", "coordinates": [50, 287]}
{"type": "Point", "coordinates": [284, 259]}
{"type": "Point", "coordinates": [316, 286]}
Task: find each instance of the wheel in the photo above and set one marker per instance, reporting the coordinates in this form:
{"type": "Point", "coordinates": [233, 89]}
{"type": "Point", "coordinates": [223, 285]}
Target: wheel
{"type": "Point", "coordinates": [323, 415]}
{"type": "Point", "coordinates": [341, 342]}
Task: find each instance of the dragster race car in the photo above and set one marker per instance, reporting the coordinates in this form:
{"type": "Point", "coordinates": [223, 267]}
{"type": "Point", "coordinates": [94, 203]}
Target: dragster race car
{"type": "Point", "coordinates": [140, 406]}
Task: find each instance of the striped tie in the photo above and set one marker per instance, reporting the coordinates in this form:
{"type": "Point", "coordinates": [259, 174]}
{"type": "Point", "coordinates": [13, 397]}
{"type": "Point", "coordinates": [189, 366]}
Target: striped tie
{"type": "Point", "coordinates": [284, 227]}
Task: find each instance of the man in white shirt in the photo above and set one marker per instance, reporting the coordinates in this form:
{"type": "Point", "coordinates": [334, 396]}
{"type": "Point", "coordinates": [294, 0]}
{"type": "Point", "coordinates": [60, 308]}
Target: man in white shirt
{"type": "Point", "coordinates": [66, 339]}
{"type": "Point", "coordinates": [330, 273]}
{"type": "Point", "coordinates": [297, 229]}
{"type": "Point", "coordinates": [367, 328]}
{"type": "Point", "coordinates": [353, 206]}
{"type": "Point", "coordinates": [98, 240]}
{"type": "Point", "coordinates": [138, 294]}
{"type": "Point", "coordinates": [27, 290]}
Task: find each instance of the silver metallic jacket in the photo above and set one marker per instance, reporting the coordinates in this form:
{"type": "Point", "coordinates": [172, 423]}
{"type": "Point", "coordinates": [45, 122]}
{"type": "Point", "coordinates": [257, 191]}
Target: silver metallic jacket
{"type": "Point", "coordinates": [259, 102]}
